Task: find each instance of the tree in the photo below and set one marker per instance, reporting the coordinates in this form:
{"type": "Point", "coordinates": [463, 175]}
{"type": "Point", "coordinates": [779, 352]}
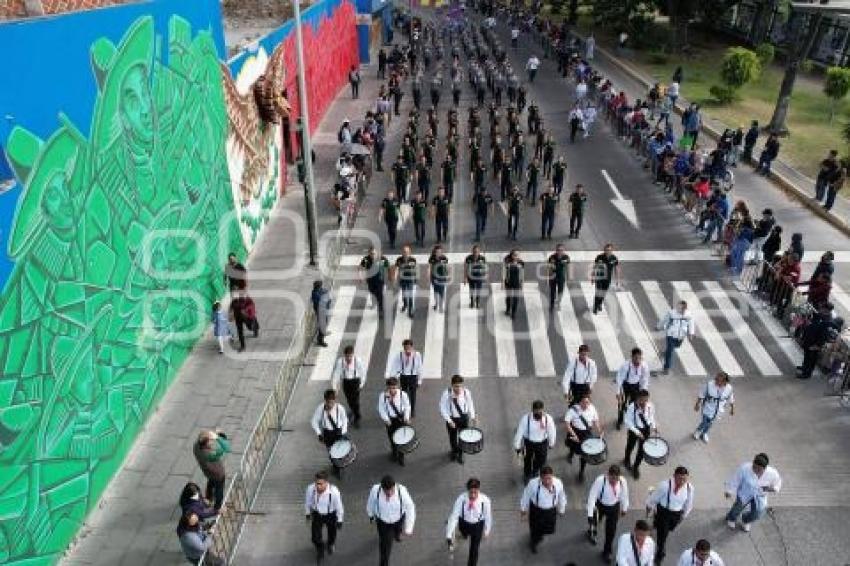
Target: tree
{"type": "Point", "coordinates": [631, 16]}
{"type": "Point", "coordinates": [681, 12]}
{"type": "Point", "coordinates": [739, 66]}
{"type": "Point", "coordinates": [836, 86]}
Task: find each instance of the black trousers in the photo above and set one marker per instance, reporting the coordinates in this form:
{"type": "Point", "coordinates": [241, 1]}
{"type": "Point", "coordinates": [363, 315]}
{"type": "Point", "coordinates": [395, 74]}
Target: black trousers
{"type": "Point", "coordinates": [665, 522]}
{"type": "Point", "coordinates": [376, 289]}
{"type": "Point", "coordinates": [541, 522]}
{"type": "Point", "coordinates": [474, 532]}
{"type": "Point", "coordinates": [632, 441]}
{"type": "Point", "coordinates": [460, 424]}
{"type": "Point", "coordinates": [630, 392]}
{"type": "Point", "coordinates": [575, 222]}
{"type": "Point", "coordinates": [556, 291]}
{"type": "Point", "coordinates": [392, 225]}
{"type": "Point", "coordinates": [387, 533]}
{"type": "Point", "coordinates": [599, 295]}
{"type": "Point", "coordinates": [611, 515]}
{"type": "Point", "coordinates": [240, 322]}
{"type": "Point", "coordinates": [475, 286]}
{"type": "Point", "coordinates": [558, 183]}
{"type": "Point", "coordinates": [409, 384]}
{"type": "Point", "coordinates": [442, 228]}
{"type": "Point", "coordinates": [547, 224]}
{"type": "Point", "coordinates": [513, 224]}
{"type": "Point", "coordinates": [810, 361]}
{"type": "Point", "coordinates": [351, 388]}
{"type": "Point", "coordinates": [534, 457]}
{"type": "Point", "coordinates": [318, 521]}
{"type": "Point", "coordinates": [575, 448]}
{"type": "Point", "coordinates": [355, 89]}
{"type": "Point", "coordinates": [419, 230]}
{"type": "Point", "coordinates": [512, 300]}
{"type": "Point", "coordinates": [215, 492]}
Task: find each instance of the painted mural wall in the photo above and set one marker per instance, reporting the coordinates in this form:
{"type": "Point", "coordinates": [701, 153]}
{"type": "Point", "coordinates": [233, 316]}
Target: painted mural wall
{"type": "Point", "coordinates": [134, 161]}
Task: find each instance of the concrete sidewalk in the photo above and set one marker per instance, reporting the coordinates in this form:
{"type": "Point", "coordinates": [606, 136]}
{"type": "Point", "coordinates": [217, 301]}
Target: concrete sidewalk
{"type": "Point", "coordinates": [135, 521]}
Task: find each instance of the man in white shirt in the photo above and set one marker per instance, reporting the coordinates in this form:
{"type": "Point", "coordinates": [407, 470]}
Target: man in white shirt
{"type": "Point", "coordinates": [750, 486]}
{"type": "Point", "coordinates": [636, 548]}
{"type": "Point", "coordinates": [607, 499]}
{"type": "Point", "coordinates": [713, 399]}
{"type": "Point", "coordinates": [472, 516]}
{"type": "Point", "coordinates": [514, 37]}
{"type": "Point", "coordinates": [582, 423]}
{"type": "Point", "coordinates": [581, 90]}
{"type": "Point", "coordinates": [323, 508]}
{"type": "Point", "coordinates": [632, 376]}
{"type": "Point", "coordinates": [579, 376]}
{"type": "Point", "coordinates": [640, 420]}
{"type": "Point", "coordinates": [458, 410]}
{"type": "Point", "coordinates": [350, 370]}
{"type": "Point", "coordinates": [407, 367]}
{"type": "Point", "coordinates": [394, 410]}
{"type": "Point", "coordinates": [531, 66]}
{"type": "Point", "coordinates": [391, 508]}
{"type": "Point", "coordinates": [329, 421]}
{"type": "Point", "coordinates": [535, 435]}
{"type": "Point", "coordinates": [677, 325]}
{"type": "Point", "coordinates": [542, 500]}
{"type": "Point", "coordinates": [700, 555]}
{"type": "Point", "coordinates": [672, 500]}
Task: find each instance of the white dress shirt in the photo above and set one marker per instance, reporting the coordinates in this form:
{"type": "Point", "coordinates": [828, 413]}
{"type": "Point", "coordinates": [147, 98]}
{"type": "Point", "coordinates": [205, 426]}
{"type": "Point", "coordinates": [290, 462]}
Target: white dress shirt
{"type": "Point", "coordinates": [678, 324]}
{"type": "Point", "coordinates": [667, 496]}
{"type": "Point", "coordinates": [633, 416]}
{"type": "Point", "coordinates": [393, 407]}
{"type": "Point", "coordinates": [535, 431]}
{"type": "Point", "coordinates": [578, 372]}
{"type": "Point", "coordinates": [714, 399]}
{"type": "Point", "coordinates": [406, 364]}
{"type": "Point", "coordinates": [322, 419]}
{"type": "Point", "coordinates": [602, 491]}
{"type": "Point", "coordinates": [626, 552]}
{"type": "Point", "coordinates": [745, 485]}
{"type": "Point", "coordinates": [688, 559]}
{"type": "Point", "coordinates": [391, 509]}
{"type": "Point", "coordinates": [474, 512]}
{"type": "Point", "coordinates": [633, 375]}
{"type": "Point", "coordinates": [464, 401]}
{"type": "Point", "coordinates": [324, 503]}
{"type": "Point", "coordinates": [542, 497]}
{"type": "Point", "coordinates": [344, 370]}
{"type": "Point", "coordinates": [575, 413]}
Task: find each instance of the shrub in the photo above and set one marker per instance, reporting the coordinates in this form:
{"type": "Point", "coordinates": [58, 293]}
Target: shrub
{"type": "Point", "coordinates": [836, 86]}
{"type": "Point", "coordinates": [807, 66]}
{"type": "Point", "coordinates": [658, 58]}
{"type": "Point", "coordinates": [723, 94]}
{"type": "Point", "coordinates": [739, 66]}
{"type": "Point", "coordinates": [766, 53]}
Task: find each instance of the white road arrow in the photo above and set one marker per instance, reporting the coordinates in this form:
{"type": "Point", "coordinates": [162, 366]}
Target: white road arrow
{"type": "Point", "coordinates": [625, 206]}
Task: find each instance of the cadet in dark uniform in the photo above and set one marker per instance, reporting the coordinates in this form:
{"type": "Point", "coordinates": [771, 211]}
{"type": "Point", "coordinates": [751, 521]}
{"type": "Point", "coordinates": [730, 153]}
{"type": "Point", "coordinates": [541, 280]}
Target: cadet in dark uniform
{"type": "Point", "coordinates": [549, 203]}
{"type": "Point", "coordinates": [548, 156]}
{"type": "Point", "coordinates": [559, 174]}
{"type": "Point", "coordinates": [518, 150]}
{"type": "Point", "coordinates": [513, 279]}
{"type": "Point", "coordinates": [559, 263]}
{"type": "Point", "coordinates": [482, 202]}
{"type": "Point", "coordinates": [475, 274]}
{"type": "Point", "coordinates": [420, 215]}
{"type": "Point", "coordinates": [605, 268]}
{"type": "Point", "coordinates": [406, 273]}
{"type": "Point", "coordinates": [505, 179]}
{"type": "Point", "coordinates": [401, 178]}
{"type": "Point", "coordinates": [515, 201]}
{"type": "Point", "coordinates": [438, 274]}
{"type": "Point", "coordinates": [448, 176]}
{"type": "Point", "coordinates": [478, 175]}
{"type": "Point", "coordinates": [423, 177]}
{"type": "Point", "coordinates": [440, 208]}
{"type": "Point", "coordinates": [578, 199]}
{"type": "Point", "coordinates": [389, 214]}
{"type": "Point", "coordinates": [374, 267]}
{"type": "Point", "coordinates": [533, 176]}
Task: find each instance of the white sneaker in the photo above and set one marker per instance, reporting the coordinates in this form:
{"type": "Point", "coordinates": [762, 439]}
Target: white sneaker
{"type": "Point", "coordinates": [705, 438]}
{"type": "Point", "coordinates": [746, 527]}
{"type": "Point", "coordinates": [731, 525]}
{"type": "Point", "coordinates": [696, 435]}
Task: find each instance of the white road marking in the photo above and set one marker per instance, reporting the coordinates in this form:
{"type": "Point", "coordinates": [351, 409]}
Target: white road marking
{"type": "Point", "coordinates": [742, 330]}
{"type": "Point", "coordinates": [624, 205]}
{"type": "Point", "coordinates": [544, 366]}
{"type": "Point", "coordinates": [707, 330]}
{"type": "Point", "coordinates": [366, 335]}
{"type": "Point", "coordinates": [637, 329]}
{"type": "Point", "coordinates": [503, 333]}
{"type": "Point", "coordinates": [604, 329]}
{"type": "Point", "coordinates": [432, 357]}
{"type": "Point", "coordinates": [467, 352]}
{"type": "Point", "coordinates": [401, 331]}
{"type": "Point", "coordinates": [687, 356]}
{"type": "Point", "coordinates": [568, 322]}
{"type": "Point", "coordinates": [339, 316]}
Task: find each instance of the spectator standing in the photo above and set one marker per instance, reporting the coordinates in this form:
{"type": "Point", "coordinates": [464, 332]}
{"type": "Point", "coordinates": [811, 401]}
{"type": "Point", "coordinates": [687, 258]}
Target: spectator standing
{"type": "Point", "coordinates": [768, 154]}
{"type": "Point", "coordinates": [691, 124]}
{"type": "Point", "coordinates": [382, 64]}
{"type": "Point", "coordinates": [835, 185]}
{"type": "Point", "coordinates": [192, 501]}
{"type": "Point", "coordinates": [750, 486]}
{"type": "Point", "coordinates": [531, 66]}
{"type": "Point", "coordinates": [235, 273]}
{"type": "Point", "coordinates": [354, 81]}
{"type": "Point", "coordinates": [815, 335]}
{"type": "Point", "coordinates": [209, 451]}
{"type": "Point", "coordinates": [321, 300]}
{"type": "Point", "coordinates": [828, 168]}
{"type": "Point", "coordinates": [750, 140]}
{"type": "Point", "coordinates": [589, 47]}
{"type": "Point", "coordinates": [221, 327]}
{"type": "Point", "coordinates": [195, 540]}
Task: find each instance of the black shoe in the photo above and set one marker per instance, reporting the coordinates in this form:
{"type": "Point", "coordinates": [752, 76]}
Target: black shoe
{"type": "Point", "coordinates": [591, 537]}
{"type": "Point", "coordinates": [398, 538]}
{"type": "Point", "coordinates": [410, 314]}
{"type": "Point", "coordinates": [435, 307]}
{"type": "Point", "coordinates": [452, 456]}
{"type": "Point", "coordinates": [636, 473]}
{"type": "Point", "coordinates": [460, 457]}
{"type": "Point", "coordinates": [606, 557]}
{"type": "Point", "coordinates": [403, 308]}
{"type": "Point", "coordinates": [569, 458]}
{"type": "Point", "coordinates": [331, 549]}
{"type": "Point", "coordinates": [401, 460]}
{"type": "Point", "coordinates": [533, 548]}
{"type": "Point", "coordinates": [323, 344]}
{"type": "Point", "coordinates": [619, 425]}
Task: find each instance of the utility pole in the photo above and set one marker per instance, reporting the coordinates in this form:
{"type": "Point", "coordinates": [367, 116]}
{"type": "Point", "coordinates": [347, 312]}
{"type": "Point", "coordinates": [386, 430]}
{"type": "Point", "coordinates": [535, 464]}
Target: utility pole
{"type": "Point", "coordinates": [306, 145]}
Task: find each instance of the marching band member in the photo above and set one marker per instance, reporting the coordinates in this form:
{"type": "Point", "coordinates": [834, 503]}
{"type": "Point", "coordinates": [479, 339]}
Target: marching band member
{"type": "Point", "coordinates": [636, 548]}
{"type": "Point", "coordinates": [671, 502]}
{"type": "Point", "coordinates": [392, 509]}
{"type": "Point", "coordinates": [323, 508]}
{"type": "Point", "coordinates": [713, 399]}
{"type": "Point", "coordinates": [750, 486]}
{"type": "Point", "coordinates": [351, 371]}
{"type": "Point", "coordinates": [407, 367]}
{"type": "Point", "coordinates": [582, 422]}
{"type": "Point", "coordinates": [579, 376]}
{"type": "Point", "coordinates": [631, 378]}
{"type": "Point", "coordinates": [700, 555]}
{"type": "Point", "coordinates": [640, 420]}
{"type": "Point", "coordinates": [330, 422]}
{"type": "Point", "coordinates": [535, 435]}
{"type": "Point", "coordinates": [458, 410]}
{"type": "Point", "coordinates": [472, 516]}
{"type": "Point", "coordinates": [394, 410]}
{"type": "Point", "coordinates": [543, 498]}
{"type": "Point", "coordinates": [607, 499]}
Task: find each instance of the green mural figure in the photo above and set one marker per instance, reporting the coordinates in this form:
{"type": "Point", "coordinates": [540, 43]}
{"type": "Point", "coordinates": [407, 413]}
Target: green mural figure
{"type": "Point", "coordinates": [118, 242]}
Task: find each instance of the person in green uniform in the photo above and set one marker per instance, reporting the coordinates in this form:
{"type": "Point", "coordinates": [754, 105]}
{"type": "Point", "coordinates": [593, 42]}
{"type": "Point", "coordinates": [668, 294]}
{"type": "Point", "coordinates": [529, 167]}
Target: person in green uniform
{"type": "Point", "coordinates": [548, 156]}
{"type": "Point", "coordinates": [401, 177]}
{"type": "Point", "coordinates": [389, 214]}
{"type": "Point", "coordinates": [512, 282]}
{"type": "Point", "coordinates": [549, 203]}
{"type": "Point", "coordinates": [447, 169]}
{"type": "Point", "coordinates": [578, 200]}
{"type": "Point", "coordinates": [532, 175]}
{"type": "Point", "coordinates": [406, 273]}
{"type": "Point", "coordinates": [438, 274]}
{"type": "Point", "coordinates": [606, 267]}
{"type": "Point", "coordinates": [475, 275]}
{"type": "Point", "coordinates": [514, 204]}
{"type": "Point", "coordinates": [420, 215]}
{"type": "Point", "coordinates": [558, 265]}
{"type": "Point", "coordinates": [440, 208]}
{"type": "Point", "coordinates": [482, 202]}
{"type": "Point", "coordinates": [559, 174]}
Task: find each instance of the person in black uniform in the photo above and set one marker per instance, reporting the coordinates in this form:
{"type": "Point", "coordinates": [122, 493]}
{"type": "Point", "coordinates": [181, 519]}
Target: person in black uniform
{"type": "Point", "coordinates": [475, 274]}
{"type": "Point", "coordinates": [518, 150]}
{"type": "Point", "coordinates": [558, 264]}
{"type": "Point", "coordinates": [440, 208]}
{"type": "Point", "coordinates": [389, 214]}
{"type": "Point", "coordinates": [559, 174]}
{"type": "Point", "coordinates": [478, 175]}
{"type": "Point", "coordinates": [578, 199]}
{"type": "Point", "coordinates": [423, 177]}
{"type": "Point", "coordinates": [447, 168]}
{"type": "Point", "coordinates": [515, 201]}
{"type": "Point", "coordinates": [438, 274]}
{"type": "Point", "coordinates": [482, 202]}
{"type": "Point", "coordinates": [374, 267]}
{"type": "Point", "coordinates": [401, 178]}
{"type": "Point", "coordinates": [815, 335]}
{"type": "Point", "coordinates": [605, 269]}
{"type": "Point", "coordinates": [513, 280]}
{"type": "Point", "coordinates": [420, 215]}
{"type": "Point", "coordinates": [532, 174]}
{"type": "Point", "coordinates": [548, 156]}
{"type": "Point", "coordinates": [549, 203]}
{"type": "Point", "coordinates": [407, 273]}
{"type": "Point", "coordinates": [505, 179]}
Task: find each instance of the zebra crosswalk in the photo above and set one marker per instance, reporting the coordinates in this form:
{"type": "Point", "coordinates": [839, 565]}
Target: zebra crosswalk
{"type": "Point", "coordinates": [734, 332]}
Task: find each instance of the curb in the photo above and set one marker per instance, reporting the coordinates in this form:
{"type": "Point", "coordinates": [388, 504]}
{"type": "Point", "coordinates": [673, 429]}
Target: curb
{"type": "Point", "coordinates": [779, 180]}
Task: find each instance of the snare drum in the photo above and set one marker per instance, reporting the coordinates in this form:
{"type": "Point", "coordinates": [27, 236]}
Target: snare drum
{"type": "Point", "coordinates": [470, 440]}
{"type": "Point", "coordinates": [595, 450]}
{"type": "Point", "coordinates": [655, 451]}
{"type": "Point", "coordinates": [342, 453]}
{"type": "Point", "coordinates": [405, 439]}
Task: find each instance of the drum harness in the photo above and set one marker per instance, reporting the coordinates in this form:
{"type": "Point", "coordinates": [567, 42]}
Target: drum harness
{"type": "Point", "coordinates": [389, 498]}
{"type": "Point", "coordinates": [669, 491]}
{"type": "Point", "coordinates": [544, 425]}
{"type": "Point", "coordinates": [553, 493]}
{"type": "Point", "coordinates": [462, 416]}
{"type": "Point", "coordinates": [716, 400]}
{"type": "Point", "coordinates": [398, 416]}
{"type": "Point", "coordinates": [335, 427]}
{"type": "Point", "coordinates": [317, 497]}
